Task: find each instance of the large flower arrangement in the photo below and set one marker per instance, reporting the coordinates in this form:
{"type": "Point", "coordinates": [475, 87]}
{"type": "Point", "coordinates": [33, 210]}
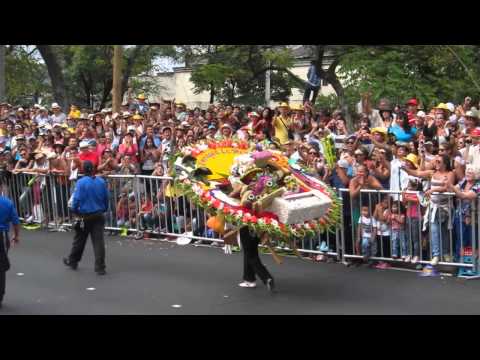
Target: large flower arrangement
{"type": "Point", "coordinates": [226, 159]}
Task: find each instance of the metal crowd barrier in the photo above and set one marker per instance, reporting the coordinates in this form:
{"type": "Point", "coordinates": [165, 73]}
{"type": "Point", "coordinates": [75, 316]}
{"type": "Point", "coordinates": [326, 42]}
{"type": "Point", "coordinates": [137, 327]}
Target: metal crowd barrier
{"type": "Point", "coordinates": [445, 226]}
{"type": "Point", "coordinates": [442, 226]}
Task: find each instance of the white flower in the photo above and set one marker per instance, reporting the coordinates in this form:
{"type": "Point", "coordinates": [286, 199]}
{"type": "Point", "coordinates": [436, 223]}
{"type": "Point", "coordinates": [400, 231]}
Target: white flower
{"type": "Point", "coordinates": [221, 206]}
{"type": "Point", "coordinates": [274, 222]}
{"type": "Point", "coordinates": [261, 222]}
{"type": "Point", "coordinates": [239, 213]}
{"type": "Point", "coordinates": [202, 147]}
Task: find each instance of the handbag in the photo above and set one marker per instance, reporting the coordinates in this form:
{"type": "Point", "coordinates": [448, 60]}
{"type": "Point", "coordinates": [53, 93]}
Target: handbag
{"type": "Point", "coordinates": [289, 131]}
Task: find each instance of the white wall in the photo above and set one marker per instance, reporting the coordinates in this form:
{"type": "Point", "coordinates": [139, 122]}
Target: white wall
{"type": "Point", "coordinates": [178, 85]}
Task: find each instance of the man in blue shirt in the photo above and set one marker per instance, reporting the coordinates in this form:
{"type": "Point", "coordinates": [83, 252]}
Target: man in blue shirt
{"type": "Point", "coordinates": [313, 84]}
{"type": "Point", "coordinates": [8, 215]}
{"type": "Point", "coordinates": [90, 202]}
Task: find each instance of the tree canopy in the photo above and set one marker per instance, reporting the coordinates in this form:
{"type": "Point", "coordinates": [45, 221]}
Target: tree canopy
{"type": "Point", "coordinates": [82, 74]}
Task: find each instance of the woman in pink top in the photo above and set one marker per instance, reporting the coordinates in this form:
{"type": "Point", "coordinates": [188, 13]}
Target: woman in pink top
{"type": "Point", "coordinates": [128, 148]}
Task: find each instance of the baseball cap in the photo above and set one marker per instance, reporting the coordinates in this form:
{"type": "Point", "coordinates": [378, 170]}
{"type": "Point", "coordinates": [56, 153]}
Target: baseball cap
{"type": "Point", "coordinates": [421, 114]}
{"type": "Point", "coordinates": [131, 128]}
{"type": "Point", "coordinates": [83, 144]}
{"type": "Point", "coordinates": [413, 102]}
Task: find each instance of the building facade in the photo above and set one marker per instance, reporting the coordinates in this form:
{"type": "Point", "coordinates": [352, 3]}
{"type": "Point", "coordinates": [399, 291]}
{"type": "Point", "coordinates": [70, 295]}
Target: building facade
{"type": "Point", "coordinates": [177, 84]}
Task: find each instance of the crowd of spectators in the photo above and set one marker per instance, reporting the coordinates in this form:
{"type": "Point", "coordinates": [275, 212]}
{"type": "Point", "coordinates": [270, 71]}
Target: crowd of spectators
{"type": "Point", "coordinates": [400, 148]}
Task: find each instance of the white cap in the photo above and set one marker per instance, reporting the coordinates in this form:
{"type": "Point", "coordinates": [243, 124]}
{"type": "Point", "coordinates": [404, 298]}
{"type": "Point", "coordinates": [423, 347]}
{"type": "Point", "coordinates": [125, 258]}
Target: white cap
{"type": "Point", "coordinates": [43, 108]}
{"type": "Point", "coordinates": [55, 106]}
{"type": "Point", "coordinates": [36, 106]}
{"type": "Point", "coordinates": [83, 144]}
{"type": "Point", "coordinates": [451, 107]}
{"type": "Point", "coordinates": [131, 127]}
{"type": "Point", "coordinates": [115, 115]}
{"type": "Point", "coordinates": [421, 114]}
{"type": "Point", "coordinates": [20, 109]}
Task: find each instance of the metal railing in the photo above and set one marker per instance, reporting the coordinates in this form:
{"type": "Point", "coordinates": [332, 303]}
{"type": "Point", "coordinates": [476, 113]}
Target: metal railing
{"type": "Point", "coordinates": [445, 226]}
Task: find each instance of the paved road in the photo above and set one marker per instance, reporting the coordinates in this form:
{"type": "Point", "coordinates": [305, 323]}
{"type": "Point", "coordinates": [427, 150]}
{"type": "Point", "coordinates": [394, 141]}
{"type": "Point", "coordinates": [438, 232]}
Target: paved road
{"type": "Point", "coordinates": [147, 277]}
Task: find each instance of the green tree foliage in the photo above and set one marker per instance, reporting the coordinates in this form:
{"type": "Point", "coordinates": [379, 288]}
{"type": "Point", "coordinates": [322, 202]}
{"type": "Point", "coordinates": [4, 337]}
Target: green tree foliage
{"type": "Point", "coordinates": [431, 73]}
{"type": "Point", "coordinates": [236, 73]}
{"type": "Point", "coordinates": [26, 78]}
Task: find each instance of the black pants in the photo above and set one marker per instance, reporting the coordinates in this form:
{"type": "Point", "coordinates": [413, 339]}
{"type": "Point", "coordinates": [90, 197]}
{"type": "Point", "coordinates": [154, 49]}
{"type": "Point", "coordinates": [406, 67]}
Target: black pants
{"type": "Point", "coordinates": [94, 226]}
{"type": "Point", "coordinates": [308, 90]}
{"type": "Point", "coordinates": [4, 262]}
{"type": "Point", "coordinates": [251, 261]}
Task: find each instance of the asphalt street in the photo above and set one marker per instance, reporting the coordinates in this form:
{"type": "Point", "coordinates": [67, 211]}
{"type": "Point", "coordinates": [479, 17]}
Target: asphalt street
{"type": "Point", "coordinates": [155, 277]}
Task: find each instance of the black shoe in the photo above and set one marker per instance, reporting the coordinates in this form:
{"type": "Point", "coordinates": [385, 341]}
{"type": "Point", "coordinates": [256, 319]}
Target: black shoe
{"type": "Point", "coordinates": [101, 272]}
{"type": "Point", "coordinates": [70, 264]}
{"type": "Point", "coordinates": [270, 285]}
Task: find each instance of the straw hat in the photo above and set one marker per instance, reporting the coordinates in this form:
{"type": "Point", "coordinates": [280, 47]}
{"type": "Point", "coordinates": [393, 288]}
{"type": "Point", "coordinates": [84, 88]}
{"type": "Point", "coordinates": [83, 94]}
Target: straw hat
{"type": "Point", "coordinates": [412, 158]}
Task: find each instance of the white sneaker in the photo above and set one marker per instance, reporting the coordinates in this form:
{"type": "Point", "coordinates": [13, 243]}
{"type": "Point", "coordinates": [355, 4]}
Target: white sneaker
{"type": "Point", "coordinates": [408, 259]}
{"type": "Point", "coordinates": [415, 260]}
{"type": "Point", "coordinates": [435, 261]}
{"type": "Point", "coordinates": [247, 284]}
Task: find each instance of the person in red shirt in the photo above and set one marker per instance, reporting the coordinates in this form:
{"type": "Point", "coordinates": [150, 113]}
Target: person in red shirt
{"type": "Point", "coordinates": [412, 108]}
{"type": "Point", "coordinates": [86, 154]}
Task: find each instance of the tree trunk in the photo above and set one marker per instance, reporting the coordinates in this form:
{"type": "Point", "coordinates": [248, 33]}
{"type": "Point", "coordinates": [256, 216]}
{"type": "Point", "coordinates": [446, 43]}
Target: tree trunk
{"type": "Point", "coordinates": [56, 75]}
{"type": "Point", "coordinates": [106, 92]}
{"type": "Point", "coordinates": [129, 67]}
{"type": "Point", "coordinates": [212, 94]}
{"type": "Point", "coordinates": [117, 78]}
{"type": "Point", "coordinates": [337, 86]}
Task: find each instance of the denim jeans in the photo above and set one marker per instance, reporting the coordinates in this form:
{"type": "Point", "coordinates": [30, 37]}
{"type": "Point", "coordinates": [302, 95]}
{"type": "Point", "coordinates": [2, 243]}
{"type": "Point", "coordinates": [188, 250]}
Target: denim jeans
{"type": "Point", "coordinates": [439, 234]}
{"type": "Point", "coordinates": [413, 235]}
{"type": "Point", "coordinates": [308, 90]}
{"type": "Point", "coordinates": [147, 221]}
{"type": "Point", "coordinates": [369, 246]}
{"type": "Point", "coordinates": [399, 241]}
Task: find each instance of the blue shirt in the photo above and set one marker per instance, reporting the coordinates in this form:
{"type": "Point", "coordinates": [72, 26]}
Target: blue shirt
{"type": "Point", "coordinates": [91, 196]}
{"type": "Point", "coordinates": [401, 135]}
{"type": "Point", "coordinates": [156, 141]}
{"type": "Point", "coordinates": [8, 214]}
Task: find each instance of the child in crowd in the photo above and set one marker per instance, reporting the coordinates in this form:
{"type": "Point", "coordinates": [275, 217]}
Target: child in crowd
{"type": "Point", "coordinates": [414, 215]}
{"type": "Point", "coordinates": [396, 219]}
{"type": "Point", "coordinates": [146, 212]}
{"type": "Point", "coordinates": [122, 213]}
{"type": "Point", "coordinates": [366, 234]}
{"type": "Point", "coordinates": [383, 231]}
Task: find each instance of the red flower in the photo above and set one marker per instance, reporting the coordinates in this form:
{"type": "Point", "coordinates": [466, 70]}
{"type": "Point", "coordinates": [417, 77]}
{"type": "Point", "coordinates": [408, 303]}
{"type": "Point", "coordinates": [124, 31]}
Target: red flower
{"type": "Point", "coordinates": [253, 219]}
{"type": "Point", "coordinates": [216, 204]}
{"type": "Point", "coordinates": [195, 152]}
{"type": "Point", "coordinates": [268, 221]}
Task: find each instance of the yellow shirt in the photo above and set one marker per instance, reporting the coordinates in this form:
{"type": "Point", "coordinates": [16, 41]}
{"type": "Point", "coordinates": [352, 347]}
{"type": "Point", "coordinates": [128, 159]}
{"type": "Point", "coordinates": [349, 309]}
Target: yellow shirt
{"type": "Point", "coordinates": [75, 114]}
{"type": "Point", "coordinates": [281, 131]}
